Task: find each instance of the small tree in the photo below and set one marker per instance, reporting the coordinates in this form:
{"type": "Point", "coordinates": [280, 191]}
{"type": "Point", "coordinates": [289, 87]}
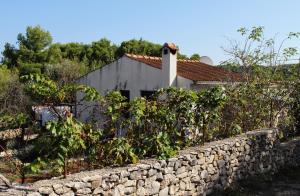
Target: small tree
{"type": "Point", "coordinates": [65, 135]}
{"type": "Point", "coordinates": [264, 93]}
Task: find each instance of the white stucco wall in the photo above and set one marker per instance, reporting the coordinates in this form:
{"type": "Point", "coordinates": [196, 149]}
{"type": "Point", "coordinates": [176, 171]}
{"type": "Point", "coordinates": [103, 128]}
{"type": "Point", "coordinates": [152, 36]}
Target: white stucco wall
{"type": "Point", "coordinates": [125, 74]}
{"type": "Point", "coordinates": [169, 68]}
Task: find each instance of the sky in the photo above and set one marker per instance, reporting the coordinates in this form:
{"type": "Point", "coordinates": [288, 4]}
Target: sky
{"type": "Point", "coordinates": [196, 26]}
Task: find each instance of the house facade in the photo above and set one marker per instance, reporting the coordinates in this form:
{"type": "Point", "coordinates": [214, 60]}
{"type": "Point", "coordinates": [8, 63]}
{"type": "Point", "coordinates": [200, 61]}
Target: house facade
{"type": "Point", "coordinates": [137, 75]}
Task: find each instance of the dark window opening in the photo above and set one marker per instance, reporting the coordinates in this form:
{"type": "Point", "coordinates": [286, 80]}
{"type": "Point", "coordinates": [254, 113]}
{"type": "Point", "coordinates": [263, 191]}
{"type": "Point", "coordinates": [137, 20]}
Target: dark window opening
{"type": "Point", "coordinates": [147, 94]}
{"type": "Point", "coordinates": [125, 93]}
{"type": "Point", "coordinates": [165, 51]}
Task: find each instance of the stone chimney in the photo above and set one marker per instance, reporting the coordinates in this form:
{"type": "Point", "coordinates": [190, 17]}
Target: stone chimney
{"type": "Point", "coordinates": [169, 64]}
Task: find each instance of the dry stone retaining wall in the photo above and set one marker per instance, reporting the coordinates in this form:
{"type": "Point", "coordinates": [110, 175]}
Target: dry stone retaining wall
{"type": "Point", "coordinates": [195, 171]}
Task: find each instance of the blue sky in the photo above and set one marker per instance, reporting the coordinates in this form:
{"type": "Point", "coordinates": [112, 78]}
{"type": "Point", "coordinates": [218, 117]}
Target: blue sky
{"type": "Point", "coordinates": [196, 26]}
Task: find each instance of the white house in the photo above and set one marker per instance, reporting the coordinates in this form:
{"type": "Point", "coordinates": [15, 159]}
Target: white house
{"type": "Point", "coordinates": [44, 114]}
{"type": "Point", "coordinates": [137, 75]}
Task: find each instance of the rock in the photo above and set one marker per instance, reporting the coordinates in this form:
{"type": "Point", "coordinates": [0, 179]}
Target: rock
{"type": "Point", "coordinates": [130, 183]}
{"type": "Point", "coordinates": [152, 172]}
{"type": "Point", "coordinates": [4, 181]}
{"type": "Point", "coordinates": [124, 174]}
{"type": "Point", "coordinates": [210, 159]}
{"type": "Point", "coordinates": [169, 178]}
{"type": "Point", "coordinates": [163, 163]}
{"type": "Point", "coordinates": [180, 170]}
{"type": "Point", "coordinates": [195, 179]}
{"type": "Point", "coordinates": [141, 191]}
{"type": "Point", "coordinates": [84, 191]}
{"type": "Point", "coordinates": [116, 192]}
{"type": "Point", "coordinates": [171, 164]}
{"type": "Point", "coordinates": [210, 169]}
{"type": "Point", "coordinates": [144, 166]}
{"type": "Point", "coordinates": [129, 190]}
{"type": "Point", "coordinates": [167, 170]}
{"type": "Point", "coordinates": [182, 185]}
{"type": "Point", "coordinates": [45, 190]}
{"type": "Point", "coordinates": [131, 169]}
{"type": "Point", "coordinates": [135, 175]}
{"type": "Point", "coordinates": [121, 189]}
{"type": "Point", "coordinates": [105, 186]}
{"type": "Point", "coordinates": [79, 185]}
{"type": "Point", "coordinates": [173, 190]}
{"type": "Point", "coordinates": [159, 177]}
{"type": "Point", "coordinates": [177, 165]}
{"type": "Point", "coordinates": [34, 194]}
{"type": "Point", "coordinates": [53, 194]}
{"type": "Point", "coordinates": [172, 159]}
{"type": "Point", "coordinates": [164, 192]}
{"type": "Point", "coordinates": [140, 183]}
{"type": "Point", "coordinates": [157, 166]}
{"type": "Point", "coordinates": [150, 180]}
{"type": "Point", "coordinates": [221, 163]}
{"type": "Point", "coordinates": [95, 184]}
{"type": "Point", "coordinates": [182, 175]}
{"type": "Point", "coordinates": [247, 158]}
{"type": "Point", "coordinates": [201, 160]}
{"type": "Point", "coordinates": [114, 178]}
{"type": "Point", "coordinates": [57, 186]}
{"type": "Point", "coordinates": [70, 193]}
{"type": "Point", "coordinates": [204, 174]}
{"type": "Point", "coordinates": [153, 188]}
{"type": "Point", "coordinates": [62, 190]}
{"type": "Point", "coordinates": [98, 191]}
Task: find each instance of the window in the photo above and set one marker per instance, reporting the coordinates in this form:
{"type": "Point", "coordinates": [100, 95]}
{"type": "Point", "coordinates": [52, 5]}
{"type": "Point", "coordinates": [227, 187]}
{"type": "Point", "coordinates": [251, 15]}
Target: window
{"type": "Point", "coordinates": [165, 51]}
{"type": "Point", "coordinates": [147, 94]}
{"type": "Point", "coordinates": [125, 93]}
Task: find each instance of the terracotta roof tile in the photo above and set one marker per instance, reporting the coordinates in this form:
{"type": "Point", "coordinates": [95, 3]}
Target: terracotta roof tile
{"type": "Point", "coordinates": [191, 69]}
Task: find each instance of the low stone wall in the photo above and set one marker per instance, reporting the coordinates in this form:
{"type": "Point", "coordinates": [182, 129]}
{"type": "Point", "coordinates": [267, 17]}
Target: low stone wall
{"type": "Point", "coordinates": [195, 171]}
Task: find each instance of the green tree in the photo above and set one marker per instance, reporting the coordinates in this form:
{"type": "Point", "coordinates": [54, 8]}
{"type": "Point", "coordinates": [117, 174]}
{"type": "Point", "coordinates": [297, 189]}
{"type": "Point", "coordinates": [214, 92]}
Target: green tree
{"type": "Point", "coordinates": [33, 45]}
{"type": "Point", "coordinates": [103, 52]}
{"type": "Point", "coordinates": [32, 50]}
{"type": "Point", "coordinates": [140, 47]}
{"type": "Point", "coordinates": [64, 136]}
{"type": "Point", "coordinates": [66, 71]}
{"type": "Point", "coordinates": [54, 54]}
{"type": "Point", "coordinates": [195, 57]}
{"type": "Point", "coordinates": [264, 96]}
{"type": "Point", "coordinates": [10, 56]}
{"type": "Point", "coordinates": [12, 97]}
{"type": "Point", "coordinates": [36, 39]}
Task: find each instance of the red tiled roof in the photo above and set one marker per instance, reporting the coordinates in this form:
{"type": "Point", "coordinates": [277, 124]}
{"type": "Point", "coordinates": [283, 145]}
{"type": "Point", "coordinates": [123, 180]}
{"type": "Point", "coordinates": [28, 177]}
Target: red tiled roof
{"type": "Point", "coordinates": [191, 69]}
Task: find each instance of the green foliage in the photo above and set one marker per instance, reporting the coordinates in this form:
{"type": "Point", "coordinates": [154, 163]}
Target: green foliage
{"type": "Point", "coordinates": [35, 53]}
{"type": "Point", "coordinates": [12, 98]}
{"type": "Point", "coordinates": [119, 151]}
{"type": "Point", "coordinates": [46, 91]}
{"type": "Point", "coordinates": [295, 96]}
{"type": "Point", "coordinates": [195, 57]}
{"type": "Point", "coordinates": [66, 134]}
{"type": "Point", "coordinates": [267, 96]}
{"type": "Point", "coordinates": [13, 121]}
{"type": "Point", "coordinates": [65, 71]}
{"type": "Point", "coordinates": [28, 68]}
{"type": "Point", "coordinates": [158, 126]}
{"type": "Point", "coordinates": [36, 39]}
{"type": "Point", "coordinates": [208, 107]}
{"type": "Point", "coordinates": [31, 52]}
{"type": "Point", "coordinates": [141, 47]}
{"type": "Point", "coordinates": [161, 145]}
{"type": "Point", "coordinates": [10, 55]}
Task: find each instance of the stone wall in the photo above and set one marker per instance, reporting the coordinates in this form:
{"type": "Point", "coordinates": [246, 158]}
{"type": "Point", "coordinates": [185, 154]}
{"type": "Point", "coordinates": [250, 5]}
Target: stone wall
{"type": "Point", "coordinates": [195, 171]}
